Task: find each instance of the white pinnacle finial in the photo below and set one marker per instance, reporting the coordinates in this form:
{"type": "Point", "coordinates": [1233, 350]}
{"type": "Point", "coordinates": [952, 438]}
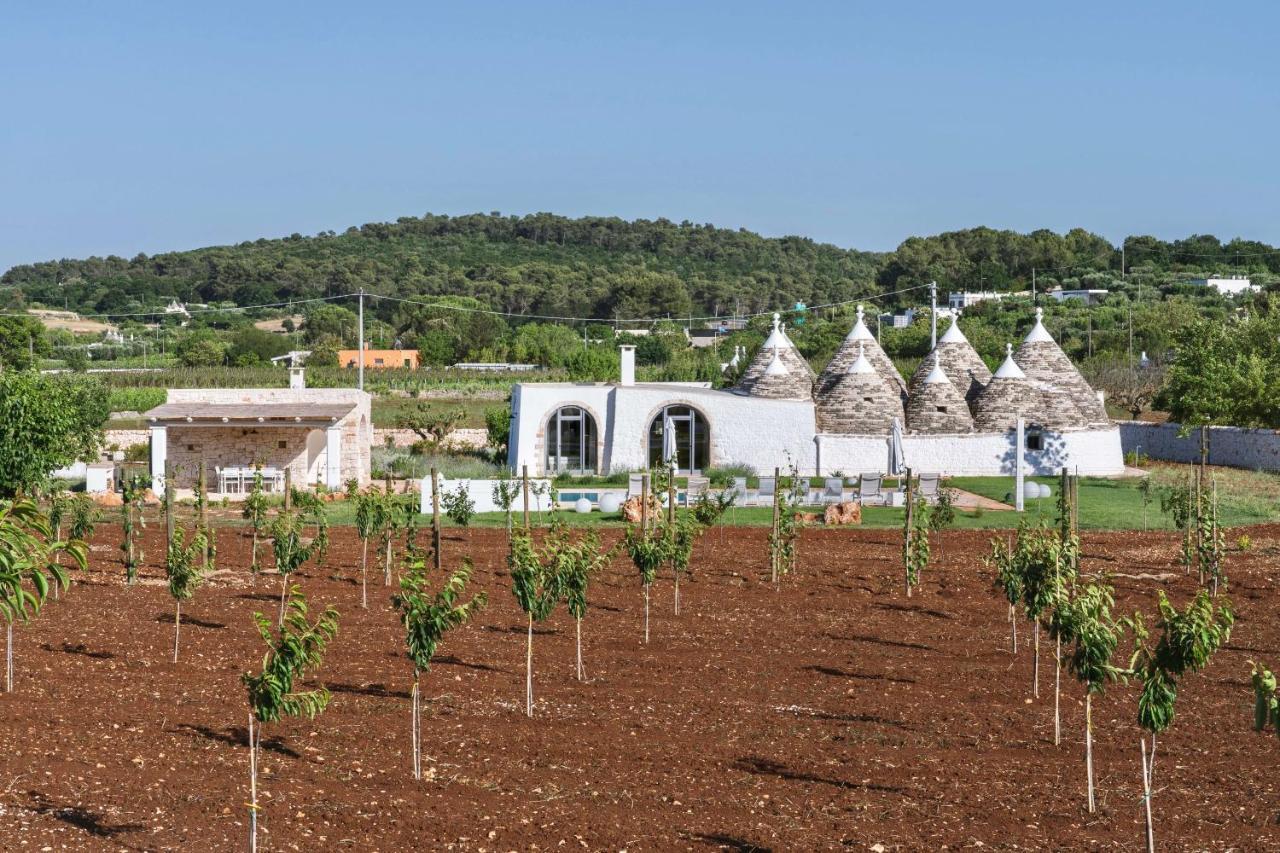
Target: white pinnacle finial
{"type": "Point", "coordinates": [1008, 350]}
{"type": "Point", "coordinates": [1039, 314]}
{"type": "Point", "coordinates": [859, 312]}
{"type": "Point", "coordinates": [1010, 369]}
{"type": "Point", "coordinates": [777, 318]}
{"type": "Point", "coordinates": [861, 364]}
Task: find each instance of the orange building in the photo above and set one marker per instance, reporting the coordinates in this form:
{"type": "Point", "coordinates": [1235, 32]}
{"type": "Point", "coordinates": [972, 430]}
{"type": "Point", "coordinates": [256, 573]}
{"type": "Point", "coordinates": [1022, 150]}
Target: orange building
{"type": "Point", "coordinates": [379, 357]}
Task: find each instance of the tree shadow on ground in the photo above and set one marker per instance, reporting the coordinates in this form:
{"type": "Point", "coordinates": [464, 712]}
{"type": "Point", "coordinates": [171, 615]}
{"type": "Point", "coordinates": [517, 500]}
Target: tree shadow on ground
{"type": "Point", "coordinates": [258, 596]}
{"type": "Point", "coordinates": [873, 719]}
{"type": "Point", "coordinates": [904, 608]}
{"type": "Point", "coordinates": [764, 767]}
{"type": "Point", "coordinates": [379, 690]}
{"type": "Point", "coordinates": [78, 649]}
{"type": "Point", "coordinates": [880, 641]}
{"type": "Point", "coordinates": [450, 660]}
{"type": "Point", "coordinates": [167, 619]}
{"type": "Point", "coordinates": [728, 842]}
{"type": "Point", "coordinates": [236, 736]}
{"type": "Point", "coordinates": [864, 676]}
{"type": "Point", "coordinates": [522, 629]}
{"type": "Point", "coordinates": [90, 821]}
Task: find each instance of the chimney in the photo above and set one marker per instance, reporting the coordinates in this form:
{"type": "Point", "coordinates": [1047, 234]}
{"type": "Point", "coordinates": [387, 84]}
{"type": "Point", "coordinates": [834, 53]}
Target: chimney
{"type": "Point", "coordinates": [628, 365]}
{"type": "Point", "coordinates": [297, 378]}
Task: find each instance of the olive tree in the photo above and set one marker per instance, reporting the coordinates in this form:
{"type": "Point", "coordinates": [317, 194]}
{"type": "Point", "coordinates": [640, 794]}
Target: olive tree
{"type": "Point", "coordinates": [426, 618]}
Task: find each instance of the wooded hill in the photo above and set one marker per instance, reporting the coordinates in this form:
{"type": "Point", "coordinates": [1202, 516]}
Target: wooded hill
{"type": "Point", "coordinates": [607, 268]}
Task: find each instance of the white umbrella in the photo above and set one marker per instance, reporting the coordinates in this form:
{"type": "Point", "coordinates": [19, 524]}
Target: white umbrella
{"type": "Point", "coordinates": [669, 452]}
{"type": "Point", "coordinates": [895, 449]}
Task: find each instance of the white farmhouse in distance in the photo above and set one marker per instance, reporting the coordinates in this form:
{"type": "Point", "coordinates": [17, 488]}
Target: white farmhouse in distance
{"type": "Point", "coordinates": [1233, 286]}
{"type": "Point", "coordinates": [1089, 297]}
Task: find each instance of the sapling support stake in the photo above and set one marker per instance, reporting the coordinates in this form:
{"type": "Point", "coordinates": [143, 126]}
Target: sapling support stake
{"type": "Point", "coordinates": [435, 517]}
{"type": "Point", "coordinates": [777, 511]}
{"type": "Point", "coordinates": [524, 480]}
{"type": "Point", "coordinates": [1088, 744]}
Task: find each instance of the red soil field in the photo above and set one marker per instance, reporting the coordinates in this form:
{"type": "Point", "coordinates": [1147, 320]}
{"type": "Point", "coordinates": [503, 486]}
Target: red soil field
{"type": "Point", "coordinates": [831, 713]}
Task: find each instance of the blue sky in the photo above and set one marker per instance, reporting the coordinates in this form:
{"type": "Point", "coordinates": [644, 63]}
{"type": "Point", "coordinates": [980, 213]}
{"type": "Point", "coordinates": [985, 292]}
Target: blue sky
{"type": "Point", "coordinates": [134, 127]}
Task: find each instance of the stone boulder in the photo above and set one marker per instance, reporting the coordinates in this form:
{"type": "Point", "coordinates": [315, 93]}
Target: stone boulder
{"type": "Point", "coordinates": [631, 509]}
{"type": "Point", "coordinates": [849, 512]}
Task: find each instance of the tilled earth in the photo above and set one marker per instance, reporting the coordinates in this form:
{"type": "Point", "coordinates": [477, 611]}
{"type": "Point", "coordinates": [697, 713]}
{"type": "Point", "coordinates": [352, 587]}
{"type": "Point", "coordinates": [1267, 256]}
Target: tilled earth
{"type": "Point", "coordinates": [832, 712]}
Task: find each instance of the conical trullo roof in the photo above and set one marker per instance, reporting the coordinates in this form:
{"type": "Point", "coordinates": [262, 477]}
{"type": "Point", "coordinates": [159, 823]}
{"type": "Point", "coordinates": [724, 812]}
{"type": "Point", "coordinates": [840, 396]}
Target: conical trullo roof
{"type": "Point", "coordinates": [859, 336]}
{"type": "Point", "coordinates": [959, 360]}
{"type": "Point", "coordinates": [935, 406]}
{"type": "Point", "coordinates": [795, 384]}
{"type": "Point", "coordinates": [1046, 364]}
{"type": "Point", "coordinates": [1008, 396]}
{"type": "Point", "coordinates": [861, 402]}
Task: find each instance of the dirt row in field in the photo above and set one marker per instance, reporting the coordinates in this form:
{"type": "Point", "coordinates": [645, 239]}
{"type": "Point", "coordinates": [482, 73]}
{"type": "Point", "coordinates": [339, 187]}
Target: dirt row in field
{"type": "Point", "coordinates": [830, 713]}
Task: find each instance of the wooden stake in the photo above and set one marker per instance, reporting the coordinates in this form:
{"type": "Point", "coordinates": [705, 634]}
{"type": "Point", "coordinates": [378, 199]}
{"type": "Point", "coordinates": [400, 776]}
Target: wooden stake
{"type": "Point", "coordinates": [907, 533]}
{"type": "Point", "coordinates": [773, 551]}
{"type": "Point", "coordinates": [435, 517]}
{"type": "Point", "coordinates": [288, 489]}
{"type": "Point", "coordinates": [204, 511]}
{"type": "Point", "coordinates": [1088, 744]}
{"type": "Point", "coordinates": [168, 504]}
{"type": "Point", "coordinates": [524, 477]}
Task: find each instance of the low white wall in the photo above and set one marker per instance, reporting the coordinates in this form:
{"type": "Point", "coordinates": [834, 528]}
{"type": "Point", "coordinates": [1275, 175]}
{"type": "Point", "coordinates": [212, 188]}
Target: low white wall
{"type": "Point", "coordinates": [1254, 449]}
{"type": "Point", "coordinates": [481, 492]}
{"type": "Point", "coordinates": [1092, 452]}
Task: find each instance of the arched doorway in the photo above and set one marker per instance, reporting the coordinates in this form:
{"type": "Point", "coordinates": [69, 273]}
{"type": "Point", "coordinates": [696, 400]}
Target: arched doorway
{"type": "Point", "coordinates": [692, 438]}
{"type": "Point", "coordinates": [571, 441]}
{"type": "Point", "coordinates": [317, 455]}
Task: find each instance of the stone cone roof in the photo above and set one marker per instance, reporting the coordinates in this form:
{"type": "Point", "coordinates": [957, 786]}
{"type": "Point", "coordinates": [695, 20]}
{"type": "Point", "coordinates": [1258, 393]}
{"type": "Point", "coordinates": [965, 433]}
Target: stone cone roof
{"type": "Point", "coordinates": [1007, 396]}
{"type": "Point", "coordinates": [936, 406]}
{"type": "Point", "coordinates": [860, 402]}
{"type": "Point", "coordinates": [1045, 363]}
{"type": "Point", "coordinates": [959, 360]}
{"type": "Point", "coordinates": [795, 384]}
{"type": "Point", "coordinates": [859, 336]}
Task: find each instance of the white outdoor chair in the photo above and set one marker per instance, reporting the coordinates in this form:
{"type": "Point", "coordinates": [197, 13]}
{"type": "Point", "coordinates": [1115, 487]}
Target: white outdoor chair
{"type": "Point", "coordinates": [833, 490]}
{"type": "Point", "coordinates": [929, 486]}
{"type": "Point", "coordinates": [869, 490]}
{"type": "Point", "coordinates": [635, 485]}
{"type": "Point", "coordinates": [764, 494]}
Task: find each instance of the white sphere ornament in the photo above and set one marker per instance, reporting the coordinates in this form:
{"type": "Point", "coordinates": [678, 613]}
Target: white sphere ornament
{"type": "Point", "coordinates": [610, 503]}
{"type": "Point", "coordinates": [583, 506]}
{"type": "Point", "coordinates": [1045, 491]}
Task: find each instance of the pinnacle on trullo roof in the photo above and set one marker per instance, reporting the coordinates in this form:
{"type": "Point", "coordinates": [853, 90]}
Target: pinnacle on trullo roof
{"type": "Point", "coordinates": [1008, 396]}
{"type": "Point", "coordinates": [959, 360]}
{"type": "Point", "coordinates": [1047, 365]}
{"type": "Point", "coordinates": [936, 406]}
{"type": "Point", "coordinates": [859, 336]}
{"type": "Point", "coordinates": [861, 401]}
{"type": "Point", "coordinates": [796, 383]}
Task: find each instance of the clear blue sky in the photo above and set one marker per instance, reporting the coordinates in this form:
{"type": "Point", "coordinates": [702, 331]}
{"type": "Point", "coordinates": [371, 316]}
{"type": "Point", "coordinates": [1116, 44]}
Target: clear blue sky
{"type": "Point", "coordinates": [150, 126]}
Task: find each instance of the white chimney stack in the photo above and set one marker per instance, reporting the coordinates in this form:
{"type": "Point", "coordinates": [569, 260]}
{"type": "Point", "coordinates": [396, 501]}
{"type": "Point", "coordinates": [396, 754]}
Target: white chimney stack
{"type": "Point", "coordinates": [297, 378]}
{"type": "Point", "coordinates": [628, 365]}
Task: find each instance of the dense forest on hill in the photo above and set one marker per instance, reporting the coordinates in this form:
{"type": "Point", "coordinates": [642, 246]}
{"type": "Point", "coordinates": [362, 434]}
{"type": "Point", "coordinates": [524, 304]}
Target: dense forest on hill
{"type": "Point", "coordinates": [607, 268]}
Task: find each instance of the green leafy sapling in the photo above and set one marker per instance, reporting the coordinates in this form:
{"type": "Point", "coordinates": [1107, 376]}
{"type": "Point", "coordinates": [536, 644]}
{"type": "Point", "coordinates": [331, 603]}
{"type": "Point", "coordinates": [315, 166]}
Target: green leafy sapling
{"type": "Point", "coordinates": [915, 543]}
{"type": "Point", "coordinates": [1084, 620]}
{"type": "Point", "coordinates": [648, 551]}
{"type": "Point", "coordinates": [297, 649]}
{"type": "Point", "coordinates": [1266, 706]}
{"type": "Point", "coordinates": [1008, 579]}
{"type": "Point", "coordinates": [184, 575]}
{"type": "Point", "coordinates": [1186, 642]}
{"type": "Point", "coordinates": [536, 586]}
{"type": "Point", "coordinates": [29, 567]}
{"type": "Point", "coordinates": [682, 534]}
{"type": "Point", "coordinates": [134, 492]}
{"type": "Point", "coordinates": [372, 515]}
{"type": "Point", "coordinates": [427, 616]}
{"type": "Point", "coordinates": [505, 492]}
{"type": "Point", "coordinates": [84, 518]}
{"type": "Point", "coordinates": [458, 505]}
{"type": "Point", "coordinates": [576, 560]}
{"type": "Point", "coordinates": [291, 550]}
{"type": "Point", "coordinates": [782, 536]}
{"type": "Point", "coordinates": [255, 511]}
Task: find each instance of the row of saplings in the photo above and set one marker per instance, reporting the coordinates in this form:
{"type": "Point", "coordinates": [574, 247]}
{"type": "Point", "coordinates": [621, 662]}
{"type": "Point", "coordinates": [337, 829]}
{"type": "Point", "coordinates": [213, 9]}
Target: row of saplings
{"type": "Point", "coordinates": [546, 569]}
{"type": "Point", "coordinates": [1039, 573]}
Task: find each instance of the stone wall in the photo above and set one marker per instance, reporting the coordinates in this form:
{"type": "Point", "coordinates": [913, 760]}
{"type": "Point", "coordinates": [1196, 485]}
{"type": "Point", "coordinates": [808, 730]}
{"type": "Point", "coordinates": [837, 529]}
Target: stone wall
{"type": "Point", "coordinates": [463, 439]}
{"type": "Point", "coordinates": [273, 447]}
{"type": "Point", "coordinates": [1254, 449]}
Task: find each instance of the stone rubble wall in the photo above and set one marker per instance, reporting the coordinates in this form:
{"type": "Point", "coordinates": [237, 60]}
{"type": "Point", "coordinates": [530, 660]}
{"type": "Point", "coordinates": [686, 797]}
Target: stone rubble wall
{"type": "Point", "coordinates": [1233, 447]}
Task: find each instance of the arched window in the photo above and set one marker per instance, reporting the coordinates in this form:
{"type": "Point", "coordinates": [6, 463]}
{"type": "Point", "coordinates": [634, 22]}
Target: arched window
{"type": "Point", "coordinates": [571, 442]}
{"type": "Point", "coordinates": [690, 435]}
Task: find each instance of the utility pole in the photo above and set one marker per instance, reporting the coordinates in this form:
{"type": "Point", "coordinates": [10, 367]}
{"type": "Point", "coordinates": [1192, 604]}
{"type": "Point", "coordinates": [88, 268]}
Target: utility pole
{"type": "Point", "coordinates": [1122, 260]}
{"type": "Point", "coordinates": [1033, 287]}
{"type": "Point", "coordinates": [360, 342]}
{"type": "Point", "coordinates": [933, 315]}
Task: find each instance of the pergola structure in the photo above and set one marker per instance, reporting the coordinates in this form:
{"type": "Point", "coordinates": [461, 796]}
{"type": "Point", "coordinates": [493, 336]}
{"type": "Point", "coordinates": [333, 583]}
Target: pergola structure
{"type": "Point", "coordinates": [305, 437]}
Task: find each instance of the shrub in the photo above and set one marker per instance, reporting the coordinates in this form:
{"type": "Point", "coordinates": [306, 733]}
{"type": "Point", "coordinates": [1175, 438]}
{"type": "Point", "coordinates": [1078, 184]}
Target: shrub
{"type": "Point", "coordinates": [458, 505]}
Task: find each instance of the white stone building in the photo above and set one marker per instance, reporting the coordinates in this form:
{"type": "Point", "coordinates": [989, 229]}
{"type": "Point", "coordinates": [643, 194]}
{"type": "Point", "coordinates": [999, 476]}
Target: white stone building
{"type": "Point", "coordinates": [322, 436]}
{"type": "Point", "coordinates": [780, 414]}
